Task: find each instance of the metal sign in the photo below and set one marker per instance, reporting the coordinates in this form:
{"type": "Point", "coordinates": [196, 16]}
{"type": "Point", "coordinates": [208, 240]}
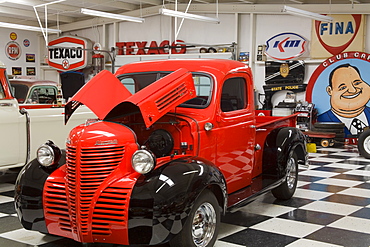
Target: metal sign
{"type": "Point", "coordinates": [286, 46]}
{"type": "Point", "coordinates": [13, 36]}
{"type": "Point", "coordinates": [68, 53]}
{"type": "Point", "coordinates": [279, 72]}
{"type": "Point", "coordinates": [345, 33]}
{"type": "Point", "coordinates": [13, 50]}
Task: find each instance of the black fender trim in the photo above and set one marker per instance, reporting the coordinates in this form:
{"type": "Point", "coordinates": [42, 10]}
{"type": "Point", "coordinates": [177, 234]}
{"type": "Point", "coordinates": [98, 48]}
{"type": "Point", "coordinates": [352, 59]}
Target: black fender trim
{"type": "Point", "coordinates": [161, 201]}
{"type": "Point", "coordinates": [279, 142]}
{"type": "Point", "coordinates": [28, 196]}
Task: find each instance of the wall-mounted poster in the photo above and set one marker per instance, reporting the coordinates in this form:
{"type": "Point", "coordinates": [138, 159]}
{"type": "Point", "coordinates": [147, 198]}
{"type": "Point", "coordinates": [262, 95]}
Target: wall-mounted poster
{"type": "Point", "coordinates": [340, 90]}
{"type": "Point", "coordinates": [16, 70]}
{"type": "Point", "coordinates": [345, 33]}
{"type": "Point", "coordinates": [244, 56]}
{"type": "Point", "coordinates": [30, 58]}
{"type": "Point", "coordinates": [31, 70]}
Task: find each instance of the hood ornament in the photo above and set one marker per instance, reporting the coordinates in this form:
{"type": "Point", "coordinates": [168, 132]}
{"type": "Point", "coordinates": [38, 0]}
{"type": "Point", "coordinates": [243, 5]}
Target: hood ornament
{"type": "Point", "coordinates": [107, 142]}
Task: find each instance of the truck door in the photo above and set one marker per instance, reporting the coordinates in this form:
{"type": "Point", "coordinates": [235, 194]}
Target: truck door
{"type": "Point", "coordinates": [236, 132]}
{"type": "Point", "coordinates": [12, 127]}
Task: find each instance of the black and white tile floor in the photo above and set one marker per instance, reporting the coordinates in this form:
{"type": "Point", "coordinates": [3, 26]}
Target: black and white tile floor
{"type": "Point", "coordinates": [331, 207]}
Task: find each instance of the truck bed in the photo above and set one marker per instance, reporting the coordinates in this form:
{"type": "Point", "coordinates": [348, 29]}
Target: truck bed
{"type": "Point", "coordinates": [264, 121]}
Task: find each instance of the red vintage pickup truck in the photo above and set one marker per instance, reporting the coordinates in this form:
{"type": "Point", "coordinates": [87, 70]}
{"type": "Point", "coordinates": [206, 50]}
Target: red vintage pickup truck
{"type": "Point", "coordinates": [176, 144]}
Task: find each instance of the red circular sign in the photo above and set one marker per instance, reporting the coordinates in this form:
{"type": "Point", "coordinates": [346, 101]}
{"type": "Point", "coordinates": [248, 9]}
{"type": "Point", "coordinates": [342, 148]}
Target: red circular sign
{"type": "Point", "coordinates": [13, 50]}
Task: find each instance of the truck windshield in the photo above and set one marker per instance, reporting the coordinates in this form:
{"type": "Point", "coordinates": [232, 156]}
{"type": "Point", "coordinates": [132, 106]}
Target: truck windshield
{"type": "Point", "coordinates": [20, 92]}
{"type": "Point", "coordinates": [202, 82]}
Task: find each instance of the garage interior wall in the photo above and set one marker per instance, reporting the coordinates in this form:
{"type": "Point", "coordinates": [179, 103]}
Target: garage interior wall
{"type": "Point", "coordinates": [247, 30]}
{"type": "Point", "coordinates": [30, 47]}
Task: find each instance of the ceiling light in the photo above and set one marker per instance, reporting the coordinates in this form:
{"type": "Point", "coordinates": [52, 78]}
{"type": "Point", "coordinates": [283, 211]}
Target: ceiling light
{"type": "Point", "coordinates": [110, 15]}
{"type": "Point", "coordinates": [28, 28]}
{"type": "Point", "coordinates": [45, 4]}
{"type": "Point", "coordinates": [188, 16]}
{"type": "Point", "coordinates": [304, 13]}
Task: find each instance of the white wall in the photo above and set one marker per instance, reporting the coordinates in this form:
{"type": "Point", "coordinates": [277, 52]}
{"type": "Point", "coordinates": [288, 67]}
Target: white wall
{"type": "Point", "coordinates": [244, 41]}
{"type": "Point", "coordinates": [155, 28]}
{"type": "Point", "coordinates": [159, 28]}
{"type": "Point", "coordinates": [233, 28]}
{"type": "Point", "coordinates": [268, 26]}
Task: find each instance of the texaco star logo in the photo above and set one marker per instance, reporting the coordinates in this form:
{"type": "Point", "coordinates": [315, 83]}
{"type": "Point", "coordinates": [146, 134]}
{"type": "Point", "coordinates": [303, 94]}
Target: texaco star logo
{"type": "Point", "coordinates": [65, 64]}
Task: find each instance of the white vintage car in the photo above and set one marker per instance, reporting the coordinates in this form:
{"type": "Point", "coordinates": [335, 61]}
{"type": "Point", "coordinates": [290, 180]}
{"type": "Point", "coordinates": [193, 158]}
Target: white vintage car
{"type": "Point", "coordinates": [28, 91]}
{"type": "Point", "coordinates": [26, 122]}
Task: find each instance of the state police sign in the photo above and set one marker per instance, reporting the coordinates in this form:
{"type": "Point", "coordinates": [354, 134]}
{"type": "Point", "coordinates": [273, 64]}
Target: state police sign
{"type": "Point", "coordinates": [69, 53]}
{"type": "Point", "coordinates": [286, 46]}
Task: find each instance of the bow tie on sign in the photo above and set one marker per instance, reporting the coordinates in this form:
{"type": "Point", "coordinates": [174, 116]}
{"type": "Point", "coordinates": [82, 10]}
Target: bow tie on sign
{"type": "Point", "coordinates": [358, 125]}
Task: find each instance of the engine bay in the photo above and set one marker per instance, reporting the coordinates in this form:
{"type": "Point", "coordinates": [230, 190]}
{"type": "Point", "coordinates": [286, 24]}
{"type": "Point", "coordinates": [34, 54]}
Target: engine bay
{"type": "Point", "coordinates": [171, 135]}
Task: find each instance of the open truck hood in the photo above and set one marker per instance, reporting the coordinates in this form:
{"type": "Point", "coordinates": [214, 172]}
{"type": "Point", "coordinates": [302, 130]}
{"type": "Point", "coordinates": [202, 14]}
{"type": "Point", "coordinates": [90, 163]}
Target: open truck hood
{"type": "Point", "coordinates": [107, 97]}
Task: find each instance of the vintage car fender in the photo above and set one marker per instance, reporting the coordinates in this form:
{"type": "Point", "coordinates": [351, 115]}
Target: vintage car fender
{"type": "Point", "coordinates": [161, 201]}
{"type": "Point", "coordinates": [29, 189]}
{"type": "Point", "coordinates": [279, 142]}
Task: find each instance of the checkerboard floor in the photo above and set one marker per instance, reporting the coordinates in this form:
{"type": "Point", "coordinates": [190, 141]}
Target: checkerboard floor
{"type": "Point", "coordinates": [331, 207]}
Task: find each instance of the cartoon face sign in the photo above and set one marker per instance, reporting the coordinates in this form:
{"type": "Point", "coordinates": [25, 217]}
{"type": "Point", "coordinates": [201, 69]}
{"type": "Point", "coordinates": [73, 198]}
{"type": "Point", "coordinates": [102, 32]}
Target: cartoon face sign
{"type": "Point", "coordinates": [348, 92]}
{"type": "Point", "coordinates": [340, 91]}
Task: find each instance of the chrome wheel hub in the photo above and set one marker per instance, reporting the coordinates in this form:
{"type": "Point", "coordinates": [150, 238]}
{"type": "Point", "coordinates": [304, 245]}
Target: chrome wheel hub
{"type": "Point", "coordinates": [204, 224]}
{"type": "Point", "coordinates": [367, 144]}
{"type": "Point", "coordinates": [291, 173]}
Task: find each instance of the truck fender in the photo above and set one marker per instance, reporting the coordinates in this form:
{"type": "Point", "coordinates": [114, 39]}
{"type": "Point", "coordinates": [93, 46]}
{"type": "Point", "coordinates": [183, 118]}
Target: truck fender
{"type": "Point", "coordinates": [29, 188]}
{"type": "Point", "coordinates": [279, 142]}
{"type": "Point", "coordinates": [161, 201]}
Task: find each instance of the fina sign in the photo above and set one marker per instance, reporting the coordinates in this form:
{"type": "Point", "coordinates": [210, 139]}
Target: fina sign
{"type": "Point", "coordinates": [286, 46]}
{"type": "Point", "coordinates": [68, 53]}
{"type": "Point", "coordinates": [344, 34]}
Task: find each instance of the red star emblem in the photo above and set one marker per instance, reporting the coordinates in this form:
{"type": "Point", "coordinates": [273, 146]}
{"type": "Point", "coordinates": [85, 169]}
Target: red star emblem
{"type": "Point", "coordinates": [65, 64]}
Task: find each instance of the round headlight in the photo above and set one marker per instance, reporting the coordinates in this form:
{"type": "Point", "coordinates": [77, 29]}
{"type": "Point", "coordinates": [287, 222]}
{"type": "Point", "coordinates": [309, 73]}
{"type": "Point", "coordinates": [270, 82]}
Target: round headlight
{"type": "Point", "coordinates": [48, 154]}
{"type": "Point", "coordinates": [143, 161]}
{"type": "Point", "coordinates": [45, 155]}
